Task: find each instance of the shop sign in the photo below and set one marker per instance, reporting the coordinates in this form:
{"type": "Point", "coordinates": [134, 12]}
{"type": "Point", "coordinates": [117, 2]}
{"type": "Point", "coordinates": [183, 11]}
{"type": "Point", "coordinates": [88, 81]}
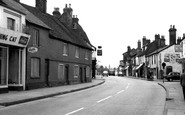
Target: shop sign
{"type": "Point", "coordinates": [32, 49]}
{"type": "Point", "coordinates": [13, 38]}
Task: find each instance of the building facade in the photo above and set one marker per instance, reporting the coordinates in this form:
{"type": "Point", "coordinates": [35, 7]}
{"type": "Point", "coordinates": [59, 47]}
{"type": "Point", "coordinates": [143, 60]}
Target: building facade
{"type": "Point", "coordinates": [13, 43]}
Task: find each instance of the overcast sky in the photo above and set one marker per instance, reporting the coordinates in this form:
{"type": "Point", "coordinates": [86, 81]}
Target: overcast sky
{"type": "Point", "coordinates": [115, 24]}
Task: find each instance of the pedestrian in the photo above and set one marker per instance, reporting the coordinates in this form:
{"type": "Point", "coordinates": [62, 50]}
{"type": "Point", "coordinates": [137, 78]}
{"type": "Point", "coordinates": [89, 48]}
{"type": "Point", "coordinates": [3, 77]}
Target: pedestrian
{"type": "Point", "coordinates": [182, 82]}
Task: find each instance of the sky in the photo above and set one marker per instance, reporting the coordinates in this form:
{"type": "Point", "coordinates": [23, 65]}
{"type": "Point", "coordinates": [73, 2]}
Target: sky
{"type": "Point", "coordinates": [116, 24]}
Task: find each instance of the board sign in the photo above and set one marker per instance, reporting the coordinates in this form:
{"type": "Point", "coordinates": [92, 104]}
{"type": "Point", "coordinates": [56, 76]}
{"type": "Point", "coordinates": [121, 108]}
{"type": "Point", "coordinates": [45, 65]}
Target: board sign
{"type": "Point", "coordinates": [32, 49]}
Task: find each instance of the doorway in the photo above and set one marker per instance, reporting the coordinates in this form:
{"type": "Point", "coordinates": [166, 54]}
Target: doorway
{"type": "Point", "coordinates": [67, 74]}
{"type": "Point", "coordinates": [47, 72]}
{"type": "Point", "coordinates": [15, 62]}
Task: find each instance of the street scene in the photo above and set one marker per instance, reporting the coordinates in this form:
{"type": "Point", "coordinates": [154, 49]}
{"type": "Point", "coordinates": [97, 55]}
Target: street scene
{"type": "Point", "coordinates": [92, 57]}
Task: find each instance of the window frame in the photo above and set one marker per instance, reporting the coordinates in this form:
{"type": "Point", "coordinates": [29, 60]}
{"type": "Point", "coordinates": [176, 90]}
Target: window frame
{"type": "Point", "coordinates": [12, 26]}
{"type": "Point", "coordinates": [63, 70]}
{"type": "Point", "coordinates": [33, 68]}
{"type": "Point", "coordinates": [76, 71]}
{"type": "Point", "coordinates": [77, 52]}
{"type": "Point", "coordinates": [36, 37]}
{"type": "Point", "coordinates": [65, 49]}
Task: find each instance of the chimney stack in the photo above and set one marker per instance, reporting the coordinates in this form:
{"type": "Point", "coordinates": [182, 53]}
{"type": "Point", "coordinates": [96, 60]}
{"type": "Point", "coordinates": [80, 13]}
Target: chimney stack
{"type": "Point", "coordinates": [69, 10]}
{"type": "Point", "coordinates": [162, 40]}
{"type": "Point", "coordinates": [179, 40]}
{"type": "Point", "coordinates": [172, 35]}
{"type": "Point", "coordinates": [17, 0]}
{"type": "Point", "coordinates": [41, 5]}
{"type": "Point", "coordinates": [56, 12]}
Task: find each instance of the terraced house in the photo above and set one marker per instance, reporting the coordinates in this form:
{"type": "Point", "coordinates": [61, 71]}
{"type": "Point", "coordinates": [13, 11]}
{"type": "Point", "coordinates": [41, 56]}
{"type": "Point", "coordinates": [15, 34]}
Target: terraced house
{"type": "Point", "coordinates": [59, 51]}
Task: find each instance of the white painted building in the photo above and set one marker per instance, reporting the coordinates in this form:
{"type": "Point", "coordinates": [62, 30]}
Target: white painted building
{"type": "Point", "coordinates": [13, 44]}
{"type": "Point", "coordinates": [169, 55]}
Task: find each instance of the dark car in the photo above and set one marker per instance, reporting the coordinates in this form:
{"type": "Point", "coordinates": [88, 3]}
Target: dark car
{"type": "Point", "coordinates": [173, 76]}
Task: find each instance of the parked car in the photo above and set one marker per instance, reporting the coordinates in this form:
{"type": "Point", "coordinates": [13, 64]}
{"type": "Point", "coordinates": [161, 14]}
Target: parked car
{"type": "Point", "coordinates": [173, 76]}
{"type": "Point", "coordinates": [105, 73]}
{"type": "Point", "coordinates": [120, 73]}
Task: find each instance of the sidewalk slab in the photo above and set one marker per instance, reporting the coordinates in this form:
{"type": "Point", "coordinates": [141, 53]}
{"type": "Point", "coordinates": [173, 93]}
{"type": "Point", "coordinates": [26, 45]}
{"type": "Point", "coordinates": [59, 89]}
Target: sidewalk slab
{"type": "Point", "coordinates": [17, 97]}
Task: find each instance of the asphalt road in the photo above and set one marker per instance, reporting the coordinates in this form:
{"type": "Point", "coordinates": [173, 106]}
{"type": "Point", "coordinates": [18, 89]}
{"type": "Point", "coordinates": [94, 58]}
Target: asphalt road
{"type": "Point", "coordinates": [117, 96]}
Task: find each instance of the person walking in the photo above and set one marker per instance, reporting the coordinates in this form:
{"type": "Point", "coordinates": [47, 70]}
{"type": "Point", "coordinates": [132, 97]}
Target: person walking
{"type": "Point", "coordinates": [182, 82]}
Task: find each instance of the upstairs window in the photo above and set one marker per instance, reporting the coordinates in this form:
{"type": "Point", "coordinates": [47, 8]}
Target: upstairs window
{"type": "Point", "coordinates": [10, 23]}
{"type": "Point", "coordinates": [86, 55]}
{"type": "Point", "coordinates": [35, 37]}
{"type": "Point", "coordinates": [65, 49]}
{"type": "Point", "coordinates": [77, 50]}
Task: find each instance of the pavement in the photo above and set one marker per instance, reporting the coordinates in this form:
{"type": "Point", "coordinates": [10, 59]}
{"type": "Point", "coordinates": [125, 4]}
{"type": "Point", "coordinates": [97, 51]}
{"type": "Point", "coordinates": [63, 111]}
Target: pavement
{"type": "Point", "coordinates": [17, 97]}
{"type": "Point", "coordinates": [175, 104]}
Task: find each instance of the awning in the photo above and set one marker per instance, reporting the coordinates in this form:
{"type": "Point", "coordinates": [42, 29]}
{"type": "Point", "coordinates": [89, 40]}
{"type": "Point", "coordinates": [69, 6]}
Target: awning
{"type": "Point", "coordinates": [139, 66]}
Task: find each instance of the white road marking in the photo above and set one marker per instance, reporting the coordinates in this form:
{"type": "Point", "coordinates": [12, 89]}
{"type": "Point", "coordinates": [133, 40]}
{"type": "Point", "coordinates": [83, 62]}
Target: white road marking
{"type": "Point", "coordinates": [120, 91]}
{"type": "Point", "coordinates": [104, 99]}
{"type": "Point", "coordinates": [127, 86]}
{"type": "Point", "coordinates": [74, 111]}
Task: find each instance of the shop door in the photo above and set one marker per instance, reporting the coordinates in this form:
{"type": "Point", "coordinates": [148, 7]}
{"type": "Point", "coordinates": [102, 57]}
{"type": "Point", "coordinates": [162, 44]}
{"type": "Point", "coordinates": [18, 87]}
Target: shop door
{"type": "Point", "coordinates": [14, 66]}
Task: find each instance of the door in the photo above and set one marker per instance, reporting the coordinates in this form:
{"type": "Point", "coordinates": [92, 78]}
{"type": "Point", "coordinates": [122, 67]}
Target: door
{"type": "Point", "coordinates": [14, 66]}
{"type": "Point", "coordinates": [85, 77]}
{"type": "Point", "coordinates": [67, 74]}
{"type": "Point", "coordinates": [81, 75]}
{"type": "Point", "coordinates": [47, 72]}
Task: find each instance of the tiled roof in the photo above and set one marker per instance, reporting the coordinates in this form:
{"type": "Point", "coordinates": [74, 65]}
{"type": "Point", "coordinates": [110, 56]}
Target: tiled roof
{"type": "Point", "coordinates": [29, 16]}
{"type": "Point", "coordinates": [58, 29]}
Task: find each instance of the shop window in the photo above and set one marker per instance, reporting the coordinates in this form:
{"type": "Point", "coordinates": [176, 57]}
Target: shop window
{"type": "Point", "coordinates": [35, 68]}
{"type": "Point", "coordinates": [76, 71]}
{"type": "Point", "coordinates": [35, 37]}
{"type": "Point", "coordinates": [77, 50]}
{"type": "Point", "coordinates": [61, 72]}
{"type": "Point", "coordinates": [10, 23]}
{"type": "Point", "coordinates": [65, 49]}
{"type": "Point", "coordinates": [3, 66]}
{"type": "Point", "coordinates": [14, 66]}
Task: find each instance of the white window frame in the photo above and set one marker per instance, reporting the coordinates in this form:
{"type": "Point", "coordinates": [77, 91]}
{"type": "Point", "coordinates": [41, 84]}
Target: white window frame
{"type": "Point", "coordinates": [77, 52]}
{"type": "Point", "coordinates": [65, 49]}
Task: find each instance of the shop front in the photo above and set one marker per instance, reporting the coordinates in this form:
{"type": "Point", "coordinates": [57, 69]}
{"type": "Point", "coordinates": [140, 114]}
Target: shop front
{"type": "Point", "coordinates": [12, 60]}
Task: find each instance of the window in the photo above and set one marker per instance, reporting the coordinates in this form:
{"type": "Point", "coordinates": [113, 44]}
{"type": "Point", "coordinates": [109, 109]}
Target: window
{"type": "Point", "coordinates": [35, 67]}
{"type": "Point", "coordinates": [76, 71]}
{"type": "Point", "coordinates": [3, 65]}
{"type": "Point", "coordinates": [61, 72]}
{"type": "Point", "coordinates": [35, 37]}
{"type": "Point", "coordinates": [87, 71]}
{"type": "Point", "coordinates": [77, 54]}
{"type": "Point", "coordinates": [10, 23]}
{"type": "Point", "coordinates": [86, 55]}
{"type": "Point", "coordinates": [65, 49]}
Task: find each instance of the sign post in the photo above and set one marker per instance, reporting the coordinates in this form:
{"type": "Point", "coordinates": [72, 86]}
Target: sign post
{"type": "Point", "coordinates": [163, 64]}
